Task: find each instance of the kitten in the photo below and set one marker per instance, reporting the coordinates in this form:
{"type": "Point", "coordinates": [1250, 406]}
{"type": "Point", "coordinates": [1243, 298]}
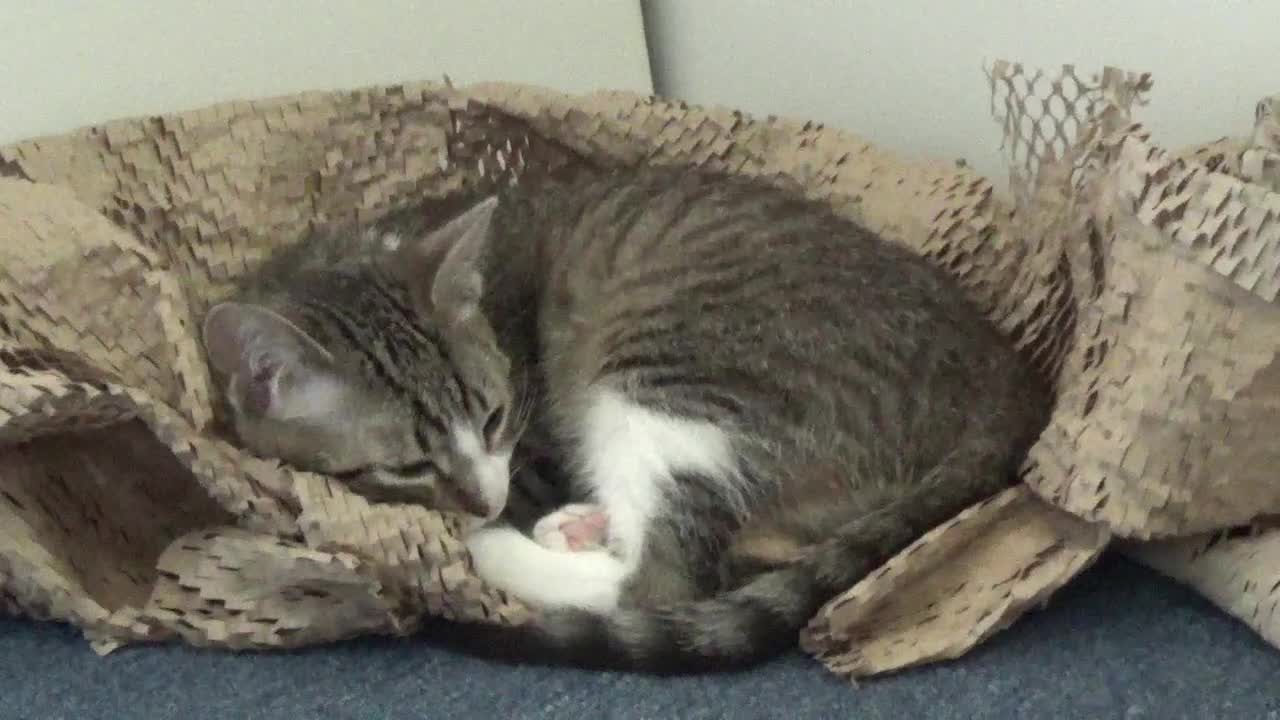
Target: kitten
{"type": "Point", "coordinates": [758, 402]}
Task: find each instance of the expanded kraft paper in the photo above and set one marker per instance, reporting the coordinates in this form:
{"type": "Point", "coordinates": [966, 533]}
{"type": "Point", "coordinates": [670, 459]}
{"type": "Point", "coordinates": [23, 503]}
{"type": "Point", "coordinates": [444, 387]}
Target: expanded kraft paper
{"type": "Point", "coordinates": [1141, 281]}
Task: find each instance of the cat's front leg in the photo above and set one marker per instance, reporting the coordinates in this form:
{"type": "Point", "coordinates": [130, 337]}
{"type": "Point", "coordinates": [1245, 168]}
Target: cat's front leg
{"type": "Point", "coordinates": [513, 562]}
{"type": "Point", "coordinates": [628, 456]}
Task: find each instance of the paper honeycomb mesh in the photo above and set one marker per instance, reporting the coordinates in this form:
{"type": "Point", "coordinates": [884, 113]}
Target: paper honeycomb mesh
{"type": "Point", "coordinates": [1153, 309]}
{"type": "Point", "coordinates": [117, 238]}
{"type": "Point", "coordinates": [1042, 114]}
{"type": "Point", "coordinates": [1142, 227]}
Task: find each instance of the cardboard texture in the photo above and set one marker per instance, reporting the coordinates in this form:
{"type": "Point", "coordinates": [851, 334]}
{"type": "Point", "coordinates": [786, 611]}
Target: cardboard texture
{"type": "Point", "coordinates": [1141, 281]}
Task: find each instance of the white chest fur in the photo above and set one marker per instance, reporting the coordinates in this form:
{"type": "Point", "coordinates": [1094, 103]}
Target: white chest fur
{"type": "Point", "coordinates": [627, 456]}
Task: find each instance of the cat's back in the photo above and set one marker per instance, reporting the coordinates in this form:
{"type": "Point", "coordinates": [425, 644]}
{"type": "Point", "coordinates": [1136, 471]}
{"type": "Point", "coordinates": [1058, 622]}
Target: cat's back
{"type": "Point", "coordinates": [691, 288]}
{"type": "Point", "coordinates": [716, 254]}
{"type": "Point", "coordinates": [641, 226]}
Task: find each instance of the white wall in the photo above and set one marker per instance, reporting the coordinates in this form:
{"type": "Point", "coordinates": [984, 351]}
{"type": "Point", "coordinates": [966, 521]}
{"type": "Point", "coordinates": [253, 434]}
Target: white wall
{"type": "Point", "coordinates": [67, 63]}
{"type": "Point", "coordinates": [908, 73]}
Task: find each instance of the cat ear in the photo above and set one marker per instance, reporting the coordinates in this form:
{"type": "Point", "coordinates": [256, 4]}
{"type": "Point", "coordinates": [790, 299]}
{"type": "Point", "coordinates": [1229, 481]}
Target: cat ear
{"type": "Point", "coordinates": [275, 369]}
{"type": "Point", "coordinates": [452, 285]}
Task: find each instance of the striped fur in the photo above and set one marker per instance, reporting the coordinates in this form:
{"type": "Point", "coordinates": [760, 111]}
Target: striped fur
{"type": "Point", "coordinates": [853, 397]}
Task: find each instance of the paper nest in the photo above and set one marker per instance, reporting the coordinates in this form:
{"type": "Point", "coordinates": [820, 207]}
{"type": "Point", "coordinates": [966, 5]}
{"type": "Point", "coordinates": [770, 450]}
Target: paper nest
{"type": "Point", "coordinates": [1142, 280]}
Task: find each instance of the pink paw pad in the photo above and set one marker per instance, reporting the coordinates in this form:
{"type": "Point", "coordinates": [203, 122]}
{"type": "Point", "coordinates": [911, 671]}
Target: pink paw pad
{"type": "Point", "coordinates": [573, 528]}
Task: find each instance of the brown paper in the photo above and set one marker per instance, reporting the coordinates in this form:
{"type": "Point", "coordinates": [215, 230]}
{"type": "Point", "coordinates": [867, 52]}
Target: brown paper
{"type": "Point", "coordinates": [1141, 282]}
{"type": "Point", "coordinates": [955, 587]}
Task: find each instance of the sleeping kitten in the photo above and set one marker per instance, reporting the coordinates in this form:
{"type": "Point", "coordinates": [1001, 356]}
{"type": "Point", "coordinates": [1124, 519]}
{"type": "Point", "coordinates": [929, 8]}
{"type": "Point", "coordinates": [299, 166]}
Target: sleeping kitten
{"type": "Point", "coordinates": [758, 402]}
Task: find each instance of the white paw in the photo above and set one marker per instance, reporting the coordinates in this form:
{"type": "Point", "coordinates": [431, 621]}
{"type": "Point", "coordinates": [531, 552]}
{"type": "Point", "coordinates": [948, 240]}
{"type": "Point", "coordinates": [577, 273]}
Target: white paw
{"type": "Point", "coordinates": [493, 550]}
{"type": "Point", "coordinates": [512, 562]}
{"type": "Point", "coordinates": [573, 528]}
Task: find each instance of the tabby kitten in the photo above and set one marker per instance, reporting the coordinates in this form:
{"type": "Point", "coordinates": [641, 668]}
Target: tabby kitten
{"type": "Point", "coordinates": [757, 401]}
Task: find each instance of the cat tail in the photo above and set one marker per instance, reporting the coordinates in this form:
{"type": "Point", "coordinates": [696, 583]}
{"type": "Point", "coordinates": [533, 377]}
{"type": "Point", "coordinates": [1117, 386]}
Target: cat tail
{"type": "Point", "coordinates": [742, 627]}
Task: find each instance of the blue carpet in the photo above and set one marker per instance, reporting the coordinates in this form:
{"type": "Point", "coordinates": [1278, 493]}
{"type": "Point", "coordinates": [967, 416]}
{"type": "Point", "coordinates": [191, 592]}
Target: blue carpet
{"type": "Point", "coordinates": [1121, 642]}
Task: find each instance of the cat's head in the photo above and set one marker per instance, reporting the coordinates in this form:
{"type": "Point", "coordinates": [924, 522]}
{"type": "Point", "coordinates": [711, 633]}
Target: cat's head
{"type": "Point", "coordinates": [389, 377]}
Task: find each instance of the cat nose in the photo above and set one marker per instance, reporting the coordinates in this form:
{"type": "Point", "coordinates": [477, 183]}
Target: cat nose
{"type": "Point", "coordinates": [472, 503]}
{"type": "Point", "coordinates": [496, 500]}
{"type": "Point", "coordinates": [473, 499]}
{"type": "Point", "coordinates": [485, 486]}
{"type": "Point", "coordinates": [489, 505]}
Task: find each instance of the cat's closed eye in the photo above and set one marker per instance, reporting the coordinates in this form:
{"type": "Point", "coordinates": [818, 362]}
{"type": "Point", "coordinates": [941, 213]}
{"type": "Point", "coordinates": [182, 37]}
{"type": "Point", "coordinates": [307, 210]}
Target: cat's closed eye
{"type": "Point", "coordinates": [351, 474]}
{"type": "Point", "coordinates": [493, 426]}
{"type": "Point", "coordinates": [417, 469]}
{"type": "Point", "coordinates": [409, 471]}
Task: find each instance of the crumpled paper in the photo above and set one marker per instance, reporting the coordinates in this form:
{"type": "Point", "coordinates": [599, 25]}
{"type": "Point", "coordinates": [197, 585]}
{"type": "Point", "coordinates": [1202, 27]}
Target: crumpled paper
{"type": "Point", "coordinates": [1139, 280]}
